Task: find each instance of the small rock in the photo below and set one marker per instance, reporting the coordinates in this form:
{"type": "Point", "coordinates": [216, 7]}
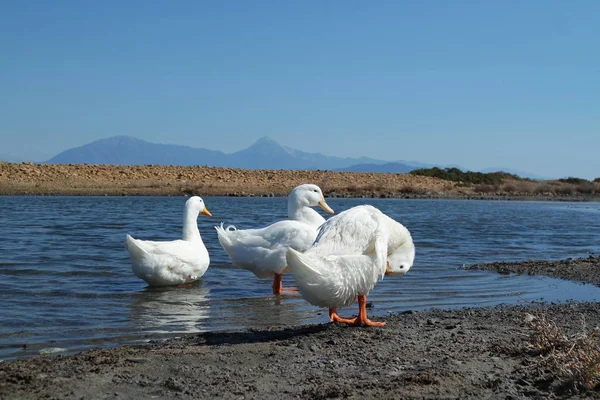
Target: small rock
{"type": "Point", "coordinates": [529, 317]}
{"type": "Point", "coordinates": [52, 350]}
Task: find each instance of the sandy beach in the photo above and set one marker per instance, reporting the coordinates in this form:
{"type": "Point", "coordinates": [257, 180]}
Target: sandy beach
{"type": "Point", "coordinates": [467, 353]}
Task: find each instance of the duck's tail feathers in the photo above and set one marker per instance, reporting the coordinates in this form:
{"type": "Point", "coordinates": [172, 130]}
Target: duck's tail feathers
{"type": "Point", "coordinates": [134, 247]}
{"type": "Point", "coordinates": [303, 266]}
{"type": "Point", "coordinates": [223, 234]}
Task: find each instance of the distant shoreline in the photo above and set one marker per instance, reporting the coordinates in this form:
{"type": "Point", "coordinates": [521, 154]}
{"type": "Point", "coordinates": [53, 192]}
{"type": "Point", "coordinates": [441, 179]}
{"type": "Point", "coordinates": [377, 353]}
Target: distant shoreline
{"type": "Point", "coordinates": [29, 179]}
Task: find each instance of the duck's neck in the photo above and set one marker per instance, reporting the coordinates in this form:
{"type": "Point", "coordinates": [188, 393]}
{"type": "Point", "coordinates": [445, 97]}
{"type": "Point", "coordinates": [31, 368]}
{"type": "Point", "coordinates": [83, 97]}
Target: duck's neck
{"type": "Point", "coordinates": [190, 225]}
{"type": "Point", "coordinates": [303, 213]}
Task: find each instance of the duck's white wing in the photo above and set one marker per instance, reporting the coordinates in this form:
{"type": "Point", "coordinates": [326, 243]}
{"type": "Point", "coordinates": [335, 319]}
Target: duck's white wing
{"type": "Point", "coordinates": [282, 233]}
{"type": "Point", "coordinates": [332, 281]}
{"type": "Point", "coordinates": [176, 251]}
{"type": "Point", "coordinates": [351, 232]}
{"type": "Point", "coordinates": [359, 231]}
{"type": "Point", "coordinates": [346, 260]}
{"type": "Point", "coordinates": [263, 250]}
{"type": "Point", "coordinates": [160, 263]}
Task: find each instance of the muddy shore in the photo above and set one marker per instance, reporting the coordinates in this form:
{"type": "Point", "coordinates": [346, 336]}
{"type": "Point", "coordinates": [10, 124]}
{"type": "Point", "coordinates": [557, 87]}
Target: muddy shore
{"type": "Point", "coordinates": [469, 353]}
{"type": "Point", "coordinates": [154, 180]}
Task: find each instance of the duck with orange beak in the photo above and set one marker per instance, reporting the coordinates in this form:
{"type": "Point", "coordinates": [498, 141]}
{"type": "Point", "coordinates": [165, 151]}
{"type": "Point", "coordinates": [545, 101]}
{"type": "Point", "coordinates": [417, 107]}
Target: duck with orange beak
{"type": "Point", "coordinates": [352, 251]}
{"type": "Point", "coordinates": [263, 250]}
{"type": "Point", "coordinates": [175, 262]}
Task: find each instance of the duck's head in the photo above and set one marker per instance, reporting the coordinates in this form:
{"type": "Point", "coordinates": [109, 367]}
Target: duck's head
{"type": "Point", "coordinates": [196, 204]}
{"type": "Point", "coordinates": [401, 259]}
{"type": "Point", "coordinates": [309, 195]}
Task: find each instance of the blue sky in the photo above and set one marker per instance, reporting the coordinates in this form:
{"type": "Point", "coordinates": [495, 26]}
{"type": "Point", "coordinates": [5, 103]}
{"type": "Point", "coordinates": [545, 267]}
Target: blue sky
{"type": "Point", "coordinates": [481, 84]}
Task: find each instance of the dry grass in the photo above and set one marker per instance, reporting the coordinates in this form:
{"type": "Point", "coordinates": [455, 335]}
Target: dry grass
{"type": "Point", "coordinates": [586, 188]}
{"type": "Point", "coordinates": [486, 188]}
{"type": "Point", "coordinates": [574, 358]}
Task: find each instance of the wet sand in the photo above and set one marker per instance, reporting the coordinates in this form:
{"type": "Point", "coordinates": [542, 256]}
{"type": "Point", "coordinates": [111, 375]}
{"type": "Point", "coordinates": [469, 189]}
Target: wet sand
{"type": "Point", "coordinates": [469, 353]}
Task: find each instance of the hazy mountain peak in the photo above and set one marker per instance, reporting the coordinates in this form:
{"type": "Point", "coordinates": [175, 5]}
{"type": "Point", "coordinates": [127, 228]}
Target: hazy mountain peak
{"type": "Point", "coordinates": [119, 139]}
{"type": "Point", "coordinates": [265, 140]}
{"type": "Point", "coordinates": [266, 144]}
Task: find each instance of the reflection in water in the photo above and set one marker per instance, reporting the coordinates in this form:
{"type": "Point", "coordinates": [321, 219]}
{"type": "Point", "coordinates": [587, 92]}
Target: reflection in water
{"type": "Point", "coordinates": [171, 309]}
{"type": "Point", "coordinates": [266, 311]}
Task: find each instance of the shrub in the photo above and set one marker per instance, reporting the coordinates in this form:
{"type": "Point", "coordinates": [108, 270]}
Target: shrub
{"type": "Point", "coordinates": [468, 177]}
{"type": "Point", "coordinates": [520, 187]}
{"type": "Point", "coordinates": [564, 190]}
{"type": "Point", "coordinates": [597, 180]}
{"type": "Point", "coordinates": [586, 188]}
{"type": "Point", "coordinates": [574, 181]}
{"type": "Point", "coordinates": [574, 357]}
{"type": "Point", "coordinates": [544, 188]}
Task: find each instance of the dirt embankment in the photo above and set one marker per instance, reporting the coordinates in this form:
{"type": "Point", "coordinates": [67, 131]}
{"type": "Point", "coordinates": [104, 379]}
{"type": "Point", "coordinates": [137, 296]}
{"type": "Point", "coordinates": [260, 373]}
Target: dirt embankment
{"type": "Point", "coordinates": [536, 351]}
{"type": "Point", "coordinates": [84, 179]}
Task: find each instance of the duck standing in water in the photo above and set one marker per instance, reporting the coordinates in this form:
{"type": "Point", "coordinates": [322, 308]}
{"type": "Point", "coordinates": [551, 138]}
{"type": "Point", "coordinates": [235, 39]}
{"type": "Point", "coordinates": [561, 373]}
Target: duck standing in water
{"type": "Point", "coordinates": [263, 250]}
{"type": "Point", "coordinates": [352, 251]}
{"type": "Point", "coordinates": [173, 262]}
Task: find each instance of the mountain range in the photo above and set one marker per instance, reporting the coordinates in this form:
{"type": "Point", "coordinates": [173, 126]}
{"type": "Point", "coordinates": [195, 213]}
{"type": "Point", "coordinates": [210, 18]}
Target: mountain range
{"type": "Point", "coordinates": [265, 153]}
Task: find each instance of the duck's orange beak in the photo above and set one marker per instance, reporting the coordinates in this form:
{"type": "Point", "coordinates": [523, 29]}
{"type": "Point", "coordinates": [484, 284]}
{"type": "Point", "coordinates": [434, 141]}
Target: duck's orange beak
{"type": "Point", "coordinates": [206, 212]}
{"type": "Point", "coordinates": [323, 204]}
{"type": "Point", "coordinates": [388, 270]}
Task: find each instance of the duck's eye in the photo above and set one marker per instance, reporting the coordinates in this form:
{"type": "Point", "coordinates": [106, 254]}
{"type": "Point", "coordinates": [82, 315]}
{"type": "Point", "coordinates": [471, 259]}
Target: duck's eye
{"type": "Point", "coordinates": [316, 191]}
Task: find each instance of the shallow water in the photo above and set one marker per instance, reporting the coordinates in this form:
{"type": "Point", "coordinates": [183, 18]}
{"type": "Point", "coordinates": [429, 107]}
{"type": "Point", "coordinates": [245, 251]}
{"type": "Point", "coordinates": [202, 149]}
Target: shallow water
{"type": "Point", "coordinates": [66, 280]}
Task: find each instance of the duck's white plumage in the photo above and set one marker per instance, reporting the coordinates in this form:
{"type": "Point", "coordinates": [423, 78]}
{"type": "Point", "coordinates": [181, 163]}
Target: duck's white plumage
{"type": "Point", "coordinates": [165, 263]}
{"type": "Point", "coordinates": [352, 251]}
{"type": "Point", "coordinates": [263, 250]}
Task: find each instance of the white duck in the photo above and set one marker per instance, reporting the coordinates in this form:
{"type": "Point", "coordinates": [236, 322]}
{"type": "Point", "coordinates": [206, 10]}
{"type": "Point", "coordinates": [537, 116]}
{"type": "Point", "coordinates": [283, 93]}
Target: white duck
{"type": "Point", "coordinates": [263, 250]}
{"type": "Point", "coordinates": [174, 262]}
{"type": "Point", "coordinates": [352, 251]}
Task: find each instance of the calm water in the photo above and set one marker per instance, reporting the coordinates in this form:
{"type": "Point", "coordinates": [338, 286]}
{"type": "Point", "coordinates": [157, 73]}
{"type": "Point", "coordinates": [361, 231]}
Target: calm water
{"type": "Point", "coordinates": [66, 280]}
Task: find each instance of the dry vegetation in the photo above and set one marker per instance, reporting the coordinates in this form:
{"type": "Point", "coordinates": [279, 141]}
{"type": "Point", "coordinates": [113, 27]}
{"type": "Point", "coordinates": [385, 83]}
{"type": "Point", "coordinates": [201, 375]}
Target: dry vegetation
{"type": "Point", "coordinates": [574, 358]}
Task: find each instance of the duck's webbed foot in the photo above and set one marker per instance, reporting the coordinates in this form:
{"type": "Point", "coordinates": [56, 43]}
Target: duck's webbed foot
{"type": "Point", "coordinates": [335, 317]}
{"type": "Point", "coordinates": [362, 319]}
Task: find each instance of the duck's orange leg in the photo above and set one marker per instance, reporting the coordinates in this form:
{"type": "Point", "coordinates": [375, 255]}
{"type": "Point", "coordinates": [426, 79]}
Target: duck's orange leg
{"type": "Point", "coordinates": [277, 288]}
{"type": "Point", "coordinates": [334, 317]}
{"type": "Point", "coordinates": [362, 319]}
